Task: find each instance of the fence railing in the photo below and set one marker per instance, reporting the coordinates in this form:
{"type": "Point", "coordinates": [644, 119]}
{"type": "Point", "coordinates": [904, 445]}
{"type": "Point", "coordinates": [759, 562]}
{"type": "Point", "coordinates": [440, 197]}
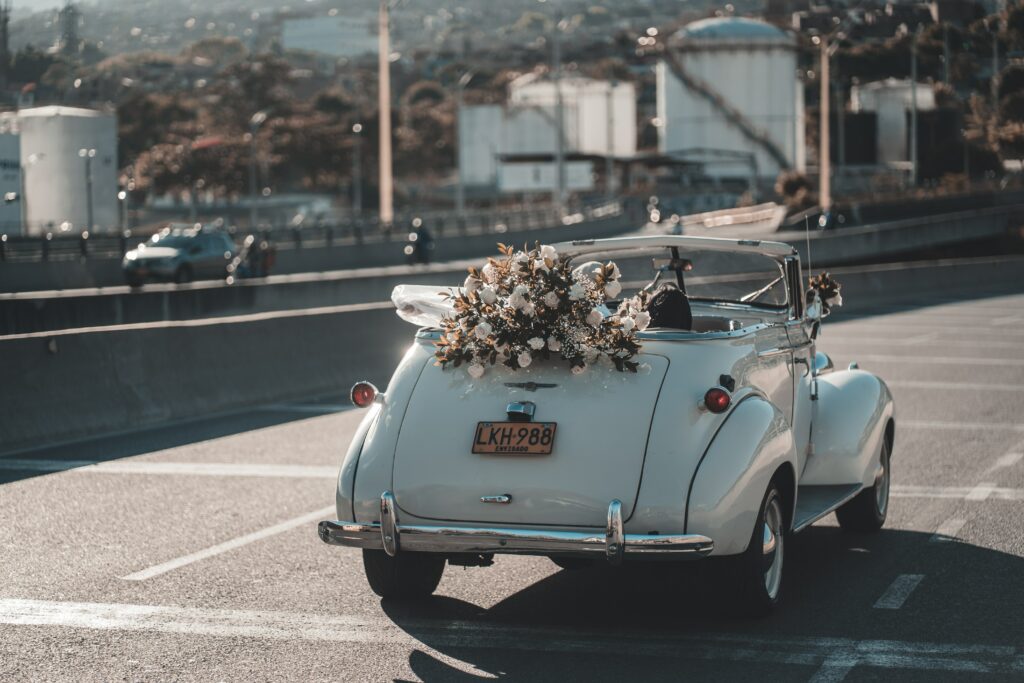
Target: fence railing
{"type": "Point", "coordinates": [313, 234]}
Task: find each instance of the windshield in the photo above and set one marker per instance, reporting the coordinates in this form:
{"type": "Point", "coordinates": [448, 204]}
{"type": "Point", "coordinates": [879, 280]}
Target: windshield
{"type": "Point", "coordinates": [733, 277]}
{"type": "Point", "coordinates": [175, 241]}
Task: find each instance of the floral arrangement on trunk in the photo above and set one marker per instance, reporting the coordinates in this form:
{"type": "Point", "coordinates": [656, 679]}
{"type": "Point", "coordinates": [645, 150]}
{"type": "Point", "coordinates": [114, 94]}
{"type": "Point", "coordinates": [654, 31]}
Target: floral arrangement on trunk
{"type": "Point", "coordinates": [828, 290]}
{"type": "Point", "coordinates": [532, 305]}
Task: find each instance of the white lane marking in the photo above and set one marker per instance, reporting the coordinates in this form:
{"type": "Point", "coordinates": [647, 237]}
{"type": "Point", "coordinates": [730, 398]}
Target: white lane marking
{"type": "Point", "coordinates": [937, 360]}
{"type": "Point", "coordinates": [981, 491]}
{"type": "Point", "coordinates": [834, 669]}
{"type": "Point", "coordinates": [952, 386]}
{"type": "Point", "coordinates": [234, 543]}
{"type": "Point", "coordinates": [203, 469]}
{"type": "Point", "coordinates": [942, 424]}
{"type": "Point", "coordinates": [898, 592]}
{"type": "Point", "coordinates": [948, 530]}
{"type": "Point", "coordinates": [924, 339]}
{"type": "Point", "coordinates": [1008, 320]}
{"type": "Point", "coordinates": [379, 630]}
{"type": "Point", "coordinates": [960, 492]}
{"type": "Point", "coordinates": [1004, 461]}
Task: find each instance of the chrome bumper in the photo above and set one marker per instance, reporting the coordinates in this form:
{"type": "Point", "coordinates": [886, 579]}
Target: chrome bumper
{"type": "Point", "coordinates": [390, 536]}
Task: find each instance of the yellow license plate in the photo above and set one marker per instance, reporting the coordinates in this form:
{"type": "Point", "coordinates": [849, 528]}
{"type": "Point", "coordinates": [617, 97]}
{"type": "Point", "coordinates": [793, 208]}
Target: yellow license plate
{"type": "Point", "coordinates": [514, 438]}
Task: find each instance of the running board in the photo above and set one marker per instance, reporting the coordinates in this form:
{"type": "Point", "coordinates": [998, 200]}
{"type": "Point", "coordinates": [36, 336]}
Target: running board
{"type": "Point", "coordinates": [814, 502]}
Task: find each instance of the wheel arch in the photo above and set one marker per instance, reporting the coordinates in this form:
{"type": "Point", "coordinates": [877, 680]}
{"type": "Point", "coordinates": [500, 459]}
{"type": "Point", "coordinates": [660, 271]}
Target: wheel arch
{"type": "Point", "coordinates": [785, 478]}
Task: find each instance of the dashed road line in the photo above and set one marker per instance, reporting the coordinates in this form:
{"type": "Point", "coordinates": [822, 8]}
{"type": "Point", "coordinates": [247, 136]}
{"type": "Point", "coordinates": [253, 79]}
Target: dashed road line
{"type": "Point", "coordinates": [948, 530]}
{"type": "Point", "coordinates": [960, 492]}
{"type": "Point", "coordinates": [898, 592]}
{"type": "Point", "coordinates": [234, 543]}
{"type": "Point", "coordinates": [1004, 461]}
{"type": "Point", "coordinates": [981, 491]}
{"type": "Point", "coordinates": [203, 469]}
{"type": "Point", "coordinates": [831, 654]}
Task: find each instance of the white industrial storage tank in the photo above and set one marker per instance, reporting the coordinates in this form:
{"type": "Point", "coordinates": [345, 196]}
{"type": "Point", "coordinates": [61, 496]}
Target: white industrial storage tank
{"type": "Point", "coordinates": [729, 91]}
{"type": "Point", "coordinates": [10, 175]}
{"type": "Point", "coordinates": [57, 172]}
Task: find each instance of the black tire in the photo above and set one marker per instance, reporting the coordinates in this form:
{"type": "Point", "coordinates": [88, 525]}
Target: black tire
{"type": "Point", "coordinates": [757, 573]}
{"type": "Point", "coordinates": [868, 510]}
{"type": "Point", "coordinates": [183, 274]}
{"type": "Point", "coordinates": [573, 564]}
{"type": "Point", "coordinates": [405, 576]}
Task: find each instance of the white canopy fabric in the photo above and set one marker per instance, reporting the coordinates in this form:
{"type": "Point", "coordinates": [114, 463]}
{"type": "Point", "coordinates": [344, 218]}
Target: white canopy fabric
{"type": "Point", "coordinates": [423, 305]}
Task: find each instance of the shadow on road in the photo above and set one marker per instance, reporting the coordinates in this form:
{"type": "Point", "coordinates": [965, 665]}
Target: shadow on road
{"type": "Point", "coordinates": [969, 595]}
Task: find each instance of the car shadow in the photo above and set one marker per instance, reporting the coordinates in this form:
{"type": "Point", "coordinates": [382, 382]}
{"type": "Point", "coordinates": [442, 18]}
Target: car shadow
{"type": "Point", "coordinates": [969, 595]}
{"type": "Point", "coordinates": [104, 448]}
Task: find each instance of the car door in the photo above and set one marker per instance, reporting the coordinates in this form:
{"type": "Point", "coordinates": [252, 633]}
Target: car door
{"type": "Point", "coordinates": [802, 349]}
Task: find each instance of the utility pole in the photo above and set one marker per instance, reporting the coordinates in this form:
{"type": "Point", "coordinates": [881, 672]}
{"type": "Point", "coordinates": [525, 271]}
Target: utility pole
{"type": "Point", "coordinates": [913, 107]}
{"type": "Point", "coordinates": [357, 171]}
{"type": "Point", "coordinates": [255, 122]}
{"type": "Point", "coordinates": [88, 155]}
{"type": "Point", "coordinates": [824, 162]}
{"type": "Point", "coordinates": [558, 197]}
{"type": "Point", "coordinates": [387, 209]}
{"type": "Point", "coordinates": [460, 187]}
{"type": "Point", "coordinates": [840, 120]}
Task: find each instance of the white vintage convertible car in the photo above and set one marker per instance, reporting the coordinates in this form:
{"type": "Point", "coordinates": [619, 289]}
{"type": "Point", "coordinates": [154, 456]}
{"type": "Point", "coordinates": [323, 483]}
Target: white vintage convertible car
{"type": "Point", "coordinates": [733, 434]}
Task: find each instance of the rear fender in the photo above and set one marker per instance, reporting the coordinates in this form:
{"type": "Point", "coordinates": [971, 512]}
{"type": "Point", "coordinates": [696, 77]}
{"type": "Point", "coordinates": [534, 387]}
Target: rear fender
{"type": "Point", "coordinates": [730, 482]}
{"type": "Point", "coordinates": [851, 414]}
{"type": "Point", "coordinates": [372, 473]}
{"type": "Point", "coordinates": [347, 476]}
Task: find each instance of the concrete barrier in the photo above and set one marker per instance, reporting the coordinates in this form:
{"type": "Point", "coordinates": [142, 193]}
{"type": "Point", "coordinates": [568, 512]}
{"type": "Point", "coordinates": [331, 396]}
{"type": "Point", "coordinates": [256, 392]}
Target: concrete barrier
{"type": "Point", "coordinates": [84, 382]}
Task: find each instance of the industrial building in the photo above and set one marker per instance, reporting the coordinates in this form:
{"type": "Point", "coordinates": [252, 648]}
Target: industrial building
{"type": "Point", "coordinates": [512, 148]}
{"type": "Point", "coordinates": [728, 97]}
{"type": "Point", "coordinates": [891, 101]}
{"type": "Point", "coordinates": [58, 168]}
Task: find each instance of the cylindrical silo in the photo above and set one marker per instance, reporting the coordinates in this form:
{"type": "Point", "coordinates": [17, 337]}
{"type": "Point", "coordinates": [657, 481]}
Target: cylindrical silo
{"type": "Point", "coordinates": [729, 89]}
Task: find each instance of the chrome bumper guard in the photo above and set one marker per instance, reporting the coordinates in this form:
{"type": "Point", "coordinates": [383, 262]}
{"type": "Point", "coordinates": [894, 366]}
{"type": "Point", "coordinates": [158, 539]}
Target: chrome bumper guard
{"type": "Point", "coordinates": [388, 535]}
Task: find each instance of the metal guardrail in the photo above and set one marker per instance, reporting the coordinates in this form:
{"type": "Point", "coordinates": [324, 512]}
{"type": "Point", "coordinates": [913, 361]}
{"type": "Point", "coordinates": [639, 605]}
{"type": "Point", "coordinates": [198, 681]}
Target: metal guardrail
{"type": "Point", "coordinates": [78, 246]}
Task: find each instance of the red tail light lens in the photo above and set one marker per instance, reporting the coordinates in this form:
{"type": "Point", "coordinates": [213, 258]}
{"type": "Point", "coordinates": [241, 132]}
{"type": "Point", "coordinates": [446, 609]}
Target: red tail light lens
{"type": "Point", "coordinates": [363, 394]}
{"type": "Point", "coordinates": [717, 399]}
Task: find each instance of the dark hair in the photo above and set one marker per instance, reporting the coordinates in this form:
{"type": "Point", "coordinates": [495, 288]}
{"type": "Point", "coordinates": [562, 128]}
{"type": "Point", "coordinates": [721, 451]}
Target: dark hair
{"type": "Point", "coordinates": [670, 308]}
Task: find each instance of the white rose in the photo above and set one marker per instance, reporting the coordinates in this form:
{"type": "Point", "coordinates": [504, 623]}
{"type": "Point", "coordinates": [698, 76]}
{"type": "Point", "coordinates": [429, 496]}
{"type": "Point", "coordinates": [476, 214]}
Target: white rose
{"type": "Point", "coordinates": [472, 284]}
{"type": "Point", "coordinates": [628, 325]}
{"type": "Point", "coordinates": [488, 295]}
{"type": "Point", "coordinates": [551, 300]}
{"type": "Point", "coordinates": [516, 300]}
{"type": "Point", "coordinates": [834, 301]}
{"type": "Point", "coordinates": [548, 252]}
{"type": "Point", "coordinates": [521, 290]}
{"type": "Point", "coordinates": [616, 274]}
{"type": "Point", "coordinates": [594, 318]}
{"type": "Point", "coordinates": [539, 264]}
{"type": "Point", "coordinates": [483, 330]}
{"type": "Point", "coordinates": [475, 370]}
{"type": "Point", "coordinates": [577, 292]}
{"type": "Point", "coordinates": [579, 369]}
{"type": "Point", "coordinates": [521, 257]}
{"type": "Point", "coordinates": [612, 289]}
{"type": "Point", "coordinates": [489, 272]}
{"type": "Point", "coordinates": [529, 309]}
{"type": "Point", "coordinates": [554, 344]}
{"type": "Point", "coordinates": [524, 359]}
{"type": "Point", "coordinates": [590, 353]}
{"type": "Point", "coordinates": [643, 319]}
{"type": "Point", "coordinates": [536, 343]}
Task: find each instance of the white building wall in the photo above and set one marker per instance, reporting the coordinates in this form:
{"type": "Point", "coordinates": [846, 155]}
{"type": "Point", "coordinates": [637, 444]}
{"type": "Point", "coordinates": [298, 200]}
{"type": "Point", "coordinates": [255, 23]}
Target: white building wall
{"type": "Point", "coordinates": [55, 174]}
{"type": "Point", "coordinates": [759, 81]}
{"type": "Point", "coordinates": [480, 133]}
{"type": "Point", "coordinates": [540, 176]}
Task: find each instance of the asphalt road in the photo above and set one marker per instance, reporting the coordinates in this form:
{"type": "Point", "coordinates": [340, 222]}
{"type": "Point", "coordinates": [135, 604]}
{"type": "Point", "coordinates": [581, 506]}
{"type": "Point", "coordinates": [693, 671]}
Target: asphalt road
{"type": "Point", "coordinates": [189, 552]}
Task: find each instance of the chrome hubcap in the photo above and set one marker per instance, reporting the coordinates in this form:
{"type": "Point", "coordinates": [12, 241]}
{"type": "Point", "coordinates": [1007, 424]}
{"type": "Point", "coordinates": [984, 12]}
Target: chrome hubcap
{"type": "Point", "coordinates": [771, 547]}
{"type": "Point", "coordinates": [882, 486]}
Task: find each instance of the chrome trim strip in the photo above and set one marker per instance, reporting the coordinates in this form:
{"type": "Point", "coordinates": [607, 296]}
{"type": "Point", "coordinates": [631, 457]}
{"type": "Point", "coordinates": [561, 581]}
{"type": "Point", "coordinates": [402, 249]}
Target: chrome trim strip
{"type": "Point", "coordinates": [389, 523]}
{"type": "Point", "coordinates": [614, 538]}
{"type": "Point", "coordinates": [776, 351]}
{"type": "Point", "coordinates": [502, 499]}
{"type": "Point", "coordinates": [446, 539]}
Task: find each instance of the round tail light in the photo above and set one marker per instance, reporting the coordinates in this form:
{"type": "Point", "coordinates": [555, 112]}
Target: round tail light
{"type": "Point", "coordinates": [363, 394]}
{"type": "Point", "coordinates": [717, 399]}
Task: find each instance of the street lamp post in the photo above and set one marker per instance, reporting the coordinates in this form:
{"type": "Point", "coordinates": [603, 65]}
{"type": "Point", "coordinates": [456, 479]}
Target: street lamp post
{"type": "Point", "coordinates": [357, 171]}
{"type": "Point", "coordinates": [88, 154]}
{"type": "Point", "coordinates": [257, 120]}
{"type": "Point", "coordinates": [384, 103]}
{"type": "Point", "coordinates": [824, 161]}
